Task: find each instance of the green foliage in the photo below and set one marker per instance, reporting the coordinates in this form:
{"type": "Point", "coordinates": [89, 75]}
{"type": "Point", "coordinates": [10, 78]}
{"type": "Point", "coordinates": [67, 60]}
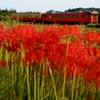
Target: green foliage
{"type": "Point", "coordinates": [5, 14]}
{"type": "Point", "coordinates": [93, 25]}
{"type": "Point", "coordinates": [63, 98]}
{"type": "Point", "coordinates": [83, 9]}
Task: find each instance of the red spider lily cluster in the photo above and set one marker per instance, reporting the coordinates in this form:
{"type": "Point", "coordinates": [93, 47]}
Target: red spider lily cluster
{"type": "Point", "coordinates": [63, 46]}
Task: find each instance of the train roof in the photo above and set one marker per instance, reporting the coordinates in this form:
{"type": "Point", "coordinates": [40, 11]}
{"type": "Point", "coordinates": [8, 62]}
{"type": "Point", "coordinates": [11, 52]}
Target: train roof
{"type": "Point", "coordinates": [75, 12]}
{"type": "Point", "coordinates": [28, 13]}
{"type": "Point", "coordinates": [92, 12]}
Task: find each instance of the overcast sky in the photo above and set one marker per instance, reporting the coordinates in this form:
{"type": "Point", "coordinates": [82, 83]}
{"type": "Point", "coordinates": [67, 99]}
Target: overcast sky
{"type": "Point", "coordinates": [45, 5]}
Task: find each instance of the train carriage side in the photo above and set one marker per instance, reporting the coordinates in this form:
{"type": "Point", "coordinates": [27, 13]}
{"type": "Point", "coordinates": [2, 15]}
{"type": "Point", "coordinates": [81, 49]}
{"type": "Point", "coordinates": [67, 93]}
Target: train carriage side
{"type": "Point", "coordinates": [14, 16]}
{"type": "Point", "coordinates": [65, 17]}
{"type": "Point", "coordinates": [48, 17]}
{"type": "Point", "coordinates": [34, 17]}
{"type": "Point", "coordinates": [70, 17]}
{"type": "Point", "coordinates": [85, 17]}
{"type": "Point", "coordinates": [90, 17]}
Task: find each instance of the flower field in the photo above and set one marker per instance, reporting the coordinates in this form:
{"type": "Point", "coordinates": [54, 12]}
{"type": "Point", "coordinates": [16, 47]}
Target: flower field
{"type": "Point", "coordinates": [53, 63]}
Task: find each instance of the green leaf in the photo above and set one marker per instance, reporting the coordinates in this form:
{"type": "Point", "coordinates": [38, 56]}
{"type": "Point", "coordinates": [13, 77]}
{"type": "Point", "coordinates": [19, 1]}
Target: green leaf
{"type": "Point", "coordinates": [46, 96]}
{"type": "Point", "coordinates": [63, 98]}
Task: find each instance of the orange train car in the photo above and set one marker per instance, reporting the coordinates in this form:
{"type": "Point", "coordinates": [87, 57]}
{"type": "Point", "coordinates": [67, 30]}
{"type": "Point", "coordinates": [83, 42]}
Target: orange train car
{"type": "Point", "coordinates": [60, 17]}
{"type": "Point", "coordinates": [35, 17]}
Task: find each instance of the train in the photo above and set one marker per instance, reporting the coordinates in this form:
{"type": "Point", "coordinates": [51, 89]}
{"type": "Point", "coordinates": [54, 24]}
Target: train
{"type": "Point", "coordinates": [58, 17]}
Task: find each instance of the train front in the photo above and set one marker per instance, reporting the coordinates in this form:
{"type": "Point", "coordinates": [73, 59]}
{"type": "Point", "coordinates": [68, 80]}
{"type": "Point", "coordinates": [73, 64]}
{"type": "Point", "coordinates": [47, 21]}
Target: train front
{"type": "Point", "coordinates": [94, 17]}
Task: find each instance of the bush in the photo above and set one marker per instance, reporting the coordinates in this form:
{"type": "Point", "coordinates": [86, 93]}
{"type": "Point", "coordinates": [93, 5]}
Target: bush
{"type": "Point", "coordinates": [93, 25]}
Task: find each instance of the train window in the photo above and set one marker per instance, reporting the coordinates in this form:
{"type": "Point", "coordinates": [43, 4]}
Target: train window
{"type": "Point", "coordinates": [87, 16]}
{"type": "Point", "coordinates": [36, 16]}
{"type": "Point", "coordinates": [60, 16]}
{"type": "Point", "coordinates": [82, 16]}
{"type": "Point", "coordinates": [63, 16]}
{"type": "Point", "coordinates": [66, 16]}
{"type": "Point", "coordinates": [28, 16]}
{"type": "Point", "coordinates": [33, 16]}
{"type": "Point", "coordinates": [57, 16]}
{"type": "Point", "coordinates": [53, 16]}
{"type": "Point", "coordinates": [75, 16]}
{"type": "Point", "coordinates": [45, 15]}
{"type": "Point", "coordinates": [49, 16]}
{"type": "Point", "coordinates": [20, 15]}
{"type": "Point", "coordinates": [71, 16]}
{"type": "Point", "coordinates": [39, 16]}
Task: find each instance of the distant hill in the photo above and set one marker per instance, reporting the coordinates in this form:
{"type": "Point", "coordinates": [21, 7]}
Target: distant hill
{"type": "Point", "coordinates": [77, 9]}
{"type": "Point", "coordinates": [83, 9]}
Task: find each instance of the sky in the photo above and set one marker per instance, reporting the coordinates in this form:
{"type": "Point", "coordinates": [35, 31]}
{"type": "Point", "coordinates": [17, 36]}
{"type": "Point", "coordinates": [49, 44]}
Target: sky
{"type": "Point", "coordinates": [45, 5]}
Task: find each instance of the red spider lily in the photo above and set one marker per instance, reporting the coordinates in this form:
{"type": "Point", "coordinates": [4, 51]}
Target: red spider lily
{"type": "Point", "coordinates": [3, 63]}
{"type": "Point", "coordinates": [19, 35]}
{"type": "Point", "coordinates": [83, 53]}
{"type": "Point", "coordinates": [43, 46]}
{"type": "Point", "coordinates": [91, 38]}
{"type": "Point", "coordinates": [77, 55]}
{"type": "Point", "coordinates": [92, 73]}
{"type": "Point", "coordinates": [94, 52]}
{"type": "Point", "coordinates": [67, 30]}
